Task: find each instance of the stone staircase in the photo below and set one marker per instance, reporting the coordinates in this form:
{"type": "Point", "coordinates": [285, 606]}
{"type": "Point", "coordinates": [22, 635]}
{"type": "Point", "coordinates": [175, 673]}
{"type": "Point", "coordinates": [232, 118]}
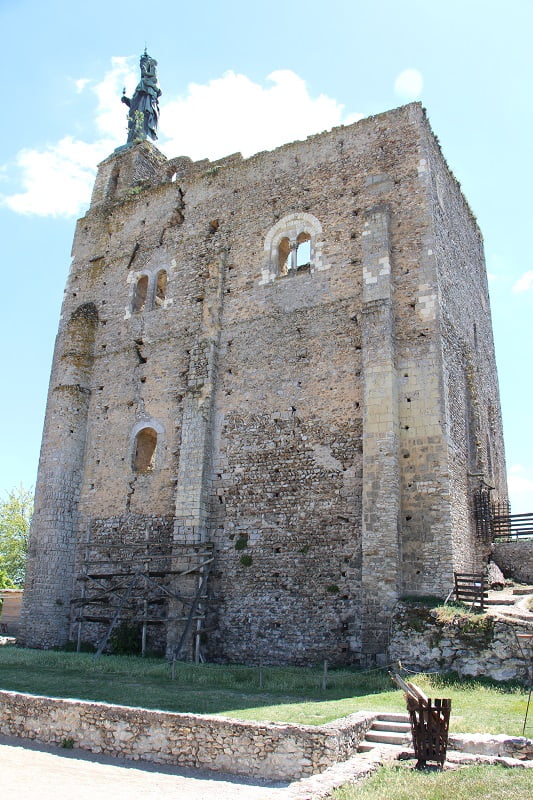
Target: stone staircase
{"type": "Point", "coordinates": [391, 730]}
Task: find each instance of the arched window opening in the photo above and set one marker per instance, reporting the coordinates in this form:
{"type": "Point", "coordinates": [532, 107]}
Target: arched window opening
{"type": "Point", "coordinates": [284, 256]}
{"type": "Point", "coordinates": [141, 291]}
{"type": "Point", "coordinates": [145, 446]}
{"type": "Point", "coordinates": [293, 245]}
{"type": "Point", "coordinates": [303, 251]}
{"type": "Point", "coordinates": [161, 288]}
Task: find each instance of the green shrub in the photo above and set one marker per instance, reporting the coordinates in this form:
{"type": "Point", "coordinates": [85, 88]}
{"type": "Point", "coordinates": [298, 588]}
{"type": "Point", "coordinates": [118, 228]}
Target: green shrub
{"type": "Point", "coordinates": [426, 600]}
{"type": "Point", "coordinates": [125, 639]}
{"type": "Point", "coordinates": [67, 743]}
{"type": "Point", "coordinates": [72, 647]}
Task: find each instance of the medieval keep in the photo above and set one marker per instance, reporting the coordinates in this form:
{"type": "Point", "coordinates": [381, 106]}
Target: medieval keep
{"type": "Point", "coordinates": [273, 407]}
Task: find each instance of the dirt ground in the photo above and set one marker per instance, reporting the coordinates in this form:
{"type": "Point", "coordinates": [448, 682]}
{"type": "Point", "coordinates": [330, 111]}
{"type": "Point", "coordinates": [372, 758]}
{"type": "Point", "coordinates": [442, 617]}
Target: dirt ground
{"type": "Point", "coordinates": [32, 770]}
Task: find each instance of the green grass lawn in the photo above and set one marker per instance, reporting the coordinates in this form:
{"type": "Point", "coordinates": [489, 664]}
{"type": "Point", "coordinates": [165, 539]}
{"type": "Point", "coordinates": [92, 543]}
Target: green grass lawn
{"type": "Point", "coordinates": [469, 783]}
{"type": "Point", "coordinates": [288, 694]}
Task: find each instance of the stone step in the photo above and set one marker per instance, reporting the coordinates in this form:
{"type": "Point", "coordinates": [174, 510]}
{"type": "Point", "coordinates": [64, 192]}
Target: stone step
{"type": "Point", "coordinates": [392, 717]}
{"type": "Point", "coordinates": [388, 729]}
{"type": "Point", "coordinates": [397, 727]}
{"type": "Point", "coordinates": [500, 601]}
{"type": "Point", "coordinates": [387, 737]}
{"type": "Point", "coordinates": [393, 749]}
{"type": "Point", "coordinates": [517, 618]}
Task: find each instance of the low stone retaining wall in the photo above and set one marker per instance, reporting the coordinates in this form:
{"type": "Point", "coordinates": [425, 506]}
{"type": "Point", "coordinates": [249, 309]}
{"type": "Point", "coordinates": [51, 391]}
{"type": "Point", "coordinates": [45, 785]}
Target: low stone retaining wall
{"type": "Point", "coordinates": [492, 745]}
{"type": "Point", "coordinates": [487, 647]}
{"type": "Point", "coordinates": [515, 559]}
{"type": "Point", "coordinates": [258, 749]}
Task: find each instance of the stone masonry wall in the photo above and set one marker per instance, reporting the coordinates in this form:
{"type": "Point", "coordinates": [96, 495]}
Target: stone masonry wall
{"type": "Point", "coordinates": [483, 646]}
{"type": "Point", "coordinates": [256, 749]}
{"type": "Point", "coordinates": [515, 559]}
{"type": "Point", "coordinates": [257, 355]}
{"type": "Point", "coordinates": [471, 411]}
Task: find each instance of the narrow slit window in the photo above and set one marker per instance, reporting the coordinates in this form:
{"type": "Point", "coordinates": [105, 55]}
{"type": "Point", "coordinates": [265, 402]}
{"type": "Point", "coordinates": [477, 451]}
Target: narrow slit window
{"type": "Point", "coordinates": [161, 288]}
{"type": "Point", "coordinates": [141, 291]}
{"type": "Point", "coordinates": [145, 447]}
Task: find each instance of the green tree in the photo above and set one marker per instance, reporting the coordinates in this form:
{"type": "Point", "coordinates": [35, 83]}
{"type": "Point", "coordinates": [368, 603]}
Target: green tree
{"type": "Point", "coordinates": [5, 581]}
{"type": "Point", "coordinates": [15, 517]}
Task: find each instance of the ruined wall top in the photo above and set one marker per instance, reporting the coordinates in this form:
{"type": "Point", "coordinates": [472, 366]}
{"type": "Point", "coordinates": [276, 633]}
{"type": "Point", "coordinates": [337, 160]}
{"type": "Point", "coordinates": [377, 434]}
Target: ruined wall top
{"type": "Point", "coordinates": [140, 164]}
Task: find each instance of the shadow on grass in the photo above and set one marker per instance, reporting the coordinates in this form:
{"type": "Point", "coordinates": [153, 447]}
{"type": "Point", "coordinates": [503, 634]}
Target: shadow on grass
{"type": "Point", "coordinates": [220, 689]}
{"type": "Point", "coordinates": [452, 680]}
{"type": "Point", "coordinates": [203, 689]}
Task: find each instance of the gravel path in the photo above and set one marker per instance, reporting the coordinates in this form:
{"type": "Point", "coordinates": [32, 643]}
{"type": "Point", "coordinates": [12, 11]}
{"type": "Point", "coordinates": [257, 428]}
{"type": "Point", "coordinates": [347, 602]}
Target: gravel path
{"type": "Point", "coordinates": [32, 770]}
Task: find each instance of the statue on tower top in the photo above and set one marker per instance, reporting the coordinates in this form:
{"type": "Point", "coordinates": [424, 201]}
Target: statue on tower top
{"type": "Point", "coordinates": [144, 105]}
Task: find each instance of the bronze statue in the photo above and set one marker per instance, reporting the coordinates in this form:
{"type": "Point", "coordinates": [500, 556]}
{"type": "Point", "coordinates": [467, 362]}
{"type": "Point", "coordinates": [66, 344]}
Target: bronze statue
{"type": "Point", "coordinates": [144, 105]}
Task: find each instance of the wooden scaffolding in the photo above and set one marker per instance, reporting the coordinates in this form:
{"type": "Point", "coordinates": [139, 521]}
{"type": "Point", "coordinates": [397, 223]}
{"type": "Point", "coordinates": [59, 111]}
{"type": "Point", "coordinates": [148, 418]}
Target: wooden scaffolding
{"type": "Point", "coordinates": [145, 585]}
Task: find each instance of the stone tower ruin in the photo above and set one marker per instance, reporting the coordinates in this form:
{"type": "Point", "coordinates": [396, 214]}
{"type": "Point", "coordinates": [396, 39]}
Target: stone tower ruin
{"type": "Point", "coordinates": [273, 407]}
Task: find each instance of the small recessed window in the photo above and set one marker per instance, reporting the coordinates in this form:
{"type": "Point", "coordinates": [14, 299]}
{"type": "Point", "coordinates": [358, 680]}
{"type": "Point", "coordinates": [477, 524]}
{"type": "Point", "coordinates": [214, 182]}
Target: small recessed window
{"type": "Point", "coordinates": [161, 288]}
{"type": "Point", "coordinates": [145, 447]}
{"type": "Point", "coordinates": [141, 291]}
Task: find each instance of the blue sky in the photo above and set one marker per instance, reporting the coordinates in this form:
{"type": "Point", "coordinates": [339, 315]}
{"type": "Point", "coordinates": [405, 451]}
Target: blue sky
{"type": "Point", "coordinates": [238, 76]}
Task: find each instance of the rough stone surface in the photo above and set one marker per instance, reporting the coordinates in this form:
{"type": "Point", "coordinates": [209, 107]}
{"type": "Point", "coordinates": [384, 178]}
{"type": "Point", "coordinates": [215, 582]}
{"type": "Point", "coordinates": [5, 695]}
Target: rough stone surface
{"type": "Point", "coordinates": [258, 749]}
{"type": "Point", "coordinates": [515, 559]}
{"type": "Point", "coordinates": [517, 747]}
{"type": "Point", "coordinates": [495, 577]}
{"type": "Point", "coordinates": [288, 359]}
{"type": "Point", "coordinates": [485, 646]}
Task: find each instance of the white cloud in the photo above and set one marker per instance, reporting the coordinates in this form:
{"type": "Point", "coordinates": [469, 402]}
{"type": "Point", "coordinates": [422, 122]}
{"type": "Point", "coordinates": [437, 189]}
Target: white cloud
{"type": "Point", "coordinates": [520, 483]}
{"type": "Point", "coordinates": [408, 84]}
{"type": "Point", "coordinates": [235, 114]}
{"type": "Point", "coordinates": [525, 283]}
{"type": "Point", "coordinates": [57, 181]}
{"type": "Point", "coordinates": [81, 83]}
{"type": "Point", "coordinates": [111, 114]}
{"type": "Point", "coordinates": [226, 115]}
